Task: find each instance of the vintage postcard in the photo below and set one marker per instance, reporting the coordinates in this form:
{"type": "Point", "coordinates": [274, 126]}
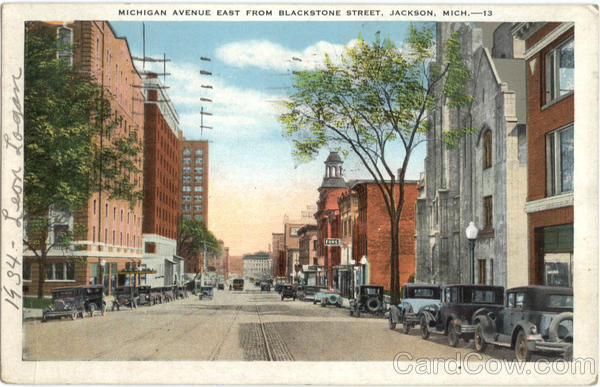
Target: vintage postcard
{"type": "Point", "coordinates": [361, 194]}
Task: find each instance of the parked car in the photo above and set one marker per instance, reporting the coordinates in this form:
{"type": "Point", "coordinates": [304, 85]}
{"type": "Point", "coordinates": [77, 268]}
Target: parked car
{"type": "Point", "coordinates": [308, 292]}
{"type": "Point", "coordinates": [279, 282]}
{"type": "Point", "coordinates": [75, 302]}
{"type": "Point", "coordinates": [265, 286]}
{"type": "Point", "coordinates": [415, 296]}
{"type": "Point", "coordinates": [221, 286]}
{"type": "Point", "coordinates": [148, 295]}
{"type": "Point", "coordinates": [125, 296]}
{"type": "Point", "coordinates": [207, 292]}
{"type": "Point", "coordinates": [461, 304]}
{"type": "Point", "coordinates": [369, 299]}
{"type": "Point", "coordinates": [535, 319]}
{"type": "Point", "coordinates": [181, 292]}
{"type": "Point", "coordinates": [328, 298]}
{"type": "Point", "coordinates": [289, 291]}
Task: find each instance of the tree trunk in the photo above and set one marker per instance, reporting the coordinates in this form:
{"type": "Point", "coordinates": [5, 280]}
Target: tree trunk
{"type": "Point", "coordinates": [394, 265]}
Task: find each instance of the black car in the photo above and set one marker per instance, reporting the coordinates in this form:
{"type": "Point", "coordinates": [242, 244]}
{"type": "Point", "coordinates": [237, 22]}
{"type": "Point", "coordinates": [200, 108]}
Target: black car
{"type": "Point", "coordinates": [125, 296]}
{"type": "Point", "coordinates": [265, 286]}
{"type": "Point", "coordinates": [74, 302]}
{"type": "Point", "coordinates": [535, 319]}
{"type": "Point", "coordinates": [415, 297]}
{"type": "Point", "coordinates": [289, 291]}
{"type": "Point", "coordinates": [148, 295]}
{"type": "Point", "coordinates": [461, 304]}
{"type": "Point", "coordinates": [369, 299]}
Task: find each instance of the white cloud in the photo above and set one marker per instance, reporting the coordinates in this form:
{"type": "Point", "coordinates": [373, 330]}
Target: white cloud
{"type": "Point", "coordinates": [271, 56]}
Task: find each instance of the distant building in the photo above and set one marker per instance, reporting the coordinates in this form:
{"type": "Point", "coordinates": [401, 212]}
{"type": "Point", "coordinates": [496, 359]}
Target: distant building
{"type": "Point", "coordinates": [311, 267]}
{"type": "Point", "coordinates": [291, 241]}
{"type": "Point", "coordinates": [550, 57]}
{"type": "Point", "coordinates": [162, 142]}
{"type": "Point", "coordinates": [344, 277]}
{"type": "Point", "coordinates": [373, 235]}
{"type": "Point", "coordinates": [483, 178]}
{"type": "Point", "coordinates": [257, 265]}
{"type": "Point", "coordinates": [276, 250]}
{"type": "Point", "coordinates": [194, 190]}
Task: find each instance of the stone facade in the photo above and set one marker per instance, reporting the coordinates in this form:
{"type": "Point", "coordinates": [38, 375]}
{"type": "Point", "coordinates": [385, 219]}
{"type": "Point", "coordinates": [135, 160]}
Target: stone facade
{"type": "Point", "coordinates": [483, 178]}
{"type": "Point", "coordinates": [257, 266]}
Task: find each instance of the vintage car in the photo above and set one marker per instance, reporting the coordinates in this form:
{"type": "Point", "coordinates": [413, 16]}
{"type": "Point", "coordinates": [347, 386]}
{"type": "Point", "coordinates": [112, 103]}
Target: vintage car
{"type": "Point", "coordinates": [279, 282]}
{"type": "Point", "coordinates": [181, 292]}
{"type": "Point", "coordinates": [415, 296]}
{"type": "Point", "coordinates": [289, 291]}
{"type": "Point", "coordinates": [265, 286]}
{"type": "Point", "coordinates": [308, 292]}
{"type": "Point", "coordinates": [535, 319]}
{"type": "Point", "coordinates": [125, 296]}
{"type": "Point", "coordinates": [461, 304]}
{"type": "Point", "coordinates": [328, 298]}
{"type": "Point", "coordinates": [74, 302]}
{"type": "Point", "coordinates": [148, 295]}
{"type": "Point", "coordinates": [221, 286]}
{"type": "Point", "coordinates": [206, 292]}
{"type": "Point", "coordinates": [368, 299]}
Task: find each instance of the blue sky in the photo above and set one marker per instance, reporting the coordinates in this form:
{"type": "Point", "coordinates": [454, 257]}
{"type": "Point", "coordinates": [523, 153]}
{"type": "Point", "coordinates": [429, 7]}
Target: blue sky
{"type": "Point", "coordinates": [254, 181]}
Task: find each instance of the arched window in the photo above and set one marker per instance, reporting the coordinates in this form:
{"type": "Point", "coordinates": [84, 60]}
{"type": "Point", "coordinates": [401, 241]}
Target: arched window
{"type": "Point", "coordinates": [487, 149]}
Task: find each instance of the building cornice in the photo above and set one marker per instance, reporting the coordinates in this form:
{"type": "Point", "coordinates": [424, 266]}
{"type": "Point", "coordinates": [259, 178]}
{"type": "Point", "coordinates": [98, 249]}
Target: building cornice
{"type": "Point", "coordinates": [549, 203]}
{"type": "Point", "coordinates": [549, 38]}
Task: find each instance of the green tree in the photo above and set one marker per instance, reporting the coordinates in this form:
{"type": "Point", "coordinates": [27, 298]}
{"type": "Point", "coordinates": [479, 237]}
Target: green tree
{"type": "Point", "coordinates": [67, 155]}
{"type": "Point", "coordinates": [378, 97]}
{"type": "Point", "coordinates": [193, 236]}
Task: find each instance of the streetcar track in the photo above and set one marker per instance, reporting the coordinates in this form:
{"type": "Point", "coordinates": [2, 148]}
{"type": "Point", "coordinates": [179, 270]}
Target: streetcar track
{"type": "Point", "coordinates": [217, 350]}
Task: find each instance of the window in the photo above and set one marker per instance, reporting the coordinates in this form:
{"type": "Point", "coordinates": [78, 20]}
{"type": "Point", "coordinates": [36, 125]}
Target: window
{"type": "Point", "coordinates": [187, 188]}
{"type": "Point", "coordinates": [187, 179]}
{"type": "Point", "coordinates": [510, 300]}
{"type": "Point", "coordinates": [198, 188]}
{"type": "Point", "coordinates": [187, 198]}
{"type": "Point", "coordinates": [198, 179]}
{"type": "Point", "coordinates": [65, 39]}
{"type": "Point", "coordinates": [482, 270]}
{"type": "Point", "coordinates": [559, 164]}
{"type": "Point", "coordinates": [187, 170]}
{"type": "Point", "coordinates": [60, 231]}
{"type": "Point", "coordinates": [187, 160]}
{"type": "Point", "coordinates": [186, 207]}
{"type": "Point", "coordinates": [199, 216]}
{"type": "Point", "coordinates": [198, 198]}
{"type": "Point", "coordinates": [94, 206]}
{"type": "Point", "coordinates": [187, 151]}
{"type": "Point", "coordinates": [198, 170]}
{"type": "Point", "coordinates": [487, 149]}
{"type": "Point", "coordinates": [198, 207]}
{"type": "Point", "coordinates": [26, 271]}
{"type": "Point", "coordinates": [487, 213]}
{"type": "Point", "coordinates": [560, 71]}
{"type": "Point", "coordinates": [60, 272]}
{"type": "Point", "coordinates": [519, 298]}
{"type": "Point", "coordinates": [198, 152]}
{"type": "Point", "coordinates": [186, 216]}
{"type": "Point", "coordinates": [198, 160]}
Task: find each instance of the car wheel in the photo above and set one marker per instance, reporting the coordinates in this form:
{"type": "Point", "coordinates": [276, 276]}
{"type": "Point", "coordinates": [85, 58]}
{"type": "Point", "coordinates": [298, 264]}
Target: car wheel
{"type": "Point", "coordinates": [323, 304]}
{"type": "Point", "coordinates": [339, 305]}
{"type": "Point", "coordinates": [315, 302]}
{"type": "Point", "coordinates": [521, 351]}
{"type": "Point", "coordinates": [424, 328]}
{"type": "Point", "coordinates": [92, 309]}
{"type": "Point", "coordinates": [44, 319]}
{"type": "Point", "coordinates": [113, 307]}
{"type": "Point", "coordinates": [74, 315]}
{"type": "Point", "coordinates": [391, 324]}
{"type": "Point", "coordinates": [452, 336]}
{"type": "Point", "coordinates": [479, 341]}
{"type": "Point", "coordinates": [405, 327]}
{"type": "Point", "coordinates": [282, 298]}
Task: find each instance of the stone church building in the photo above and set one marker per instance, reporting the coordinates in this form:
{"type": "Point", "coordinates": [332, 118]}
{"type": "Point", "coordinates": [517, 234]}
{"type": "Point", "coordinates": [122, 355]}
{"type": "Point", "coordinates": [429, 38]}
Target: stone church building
{"type": "Point", "coordinates": [484, 178]}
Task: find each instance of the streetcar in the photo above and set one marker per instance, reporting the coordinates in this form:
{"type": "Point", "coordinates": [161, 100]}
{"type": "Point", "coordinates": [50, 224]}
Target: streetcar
{"type": "Point", "coordinates": [238, 284]}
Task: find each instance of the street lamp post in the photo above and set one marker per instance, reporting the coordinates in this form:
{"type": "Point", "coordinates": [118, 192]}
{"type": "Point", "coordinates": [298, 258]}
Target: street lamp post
{"type": "Point", "coordinates": [471, 232]}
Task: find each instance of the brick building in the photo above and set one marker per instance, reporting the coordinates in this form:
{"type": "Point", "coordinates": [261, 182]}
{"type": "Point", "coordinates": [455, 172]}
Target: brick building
{"type": "Point", "coordinates": [373, 239]}
{"type": "Point", "coordinates": [235, 266]}
{"type": "Point", "coordinates": [111, 249]}
{"type": "Point", "coordinates": [549, 53]}
{"type": "Point", "coordinates": [194, 189]}
{"type": "Point", "coordinates": [344, 274]}
{"type": "Point", "coordinates": [328, 214]}
{"type": "Point", "coordinates": [276, 250]}
{"type": "Point", "coordinates": [312, 266]}
{"type": "Point", "coordinates": [162, 150]}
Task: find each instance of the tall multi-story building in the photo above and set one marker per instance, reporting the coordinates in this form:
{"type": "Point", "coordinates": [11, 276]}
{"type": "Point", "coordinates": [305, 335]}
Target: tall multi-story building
{"type": "Point", "coordinates": [194, 186]}
{"type": "Point", "coordinates": [162, 149]}
{"type": "Point", "coordinates": [257, 265]}
{"type": "Point", "coordinates": [111, 246]}
{"type": "Point", "coordinates": [482, 179]}
{"type": "Point", "coordinates": [276, 251]}
{"type": "Point", "coordinates": [550, 57]}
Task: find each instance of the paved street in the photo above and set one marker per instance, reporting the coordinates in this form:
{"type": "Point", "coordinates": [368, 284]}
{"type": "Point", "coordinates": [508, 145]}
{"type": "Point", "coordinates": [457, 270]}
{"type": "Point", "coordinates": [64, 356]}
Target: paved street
{"type": "Point", "coordinates": [233, 326]}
